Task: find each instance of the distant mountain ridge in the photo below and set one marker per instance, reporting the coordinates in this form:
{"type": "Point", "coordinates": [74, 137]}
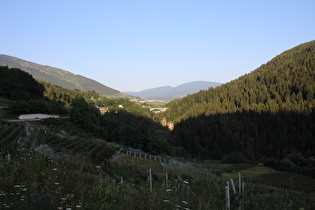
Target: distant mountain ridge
{"type": "Point", "coordinates": [58, 76]}
{"type": "Point", "coordinates": [168, 93]}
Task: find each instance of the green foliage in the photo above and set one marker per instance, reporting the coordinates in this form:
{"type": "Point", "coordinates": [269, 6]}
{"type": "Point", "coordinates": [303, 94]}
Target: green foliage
{"type": "Point", "coordinates": [16, 84]}
{"type": "Point", "coordinates": [121, 104]}
{"type": "Point", "coordinates": [136, 132]}
{"type": "Point", "coordinates": [27, 107]}
{"type": "Point", "coordinates": [37, 106]}
{"type": "Point", "coordinates": [57, 107]}
{"type": "Point", "coordinates": [295, 162]}
{"type": "Point", "coordinates": [83, 114]}
{"type": "Point", "coordinates": [255, 135]}
{"type": "Point", "coordinates": [235, 157]}
{"type": "Point", "coordinates": [56, 93]}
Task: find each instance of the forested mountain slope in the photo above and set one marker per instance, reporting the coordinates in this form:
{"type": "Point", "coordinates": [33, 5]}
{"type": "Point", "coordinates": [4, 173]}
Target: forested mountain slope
{"type": "Point", "coordinates": [285, 83]}
{"type": "Point", "coordinates": [57, 76]}
{"type": "Point", "coordinates": [267, 114]}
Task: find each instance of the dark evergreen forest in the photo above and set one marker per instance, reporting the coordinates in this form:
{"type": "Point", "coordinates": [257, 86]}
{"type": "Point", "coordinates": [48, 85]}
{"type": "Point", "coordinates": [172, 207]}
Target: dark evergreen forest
{"type": "Point", "coordinates": [258, 136]}
{"type": "Point", "coordinates": [266, 114]}
{"type": "Point", "coordinates": [286, 83]}
{"type": "Point", "coordinates": [18, 85]}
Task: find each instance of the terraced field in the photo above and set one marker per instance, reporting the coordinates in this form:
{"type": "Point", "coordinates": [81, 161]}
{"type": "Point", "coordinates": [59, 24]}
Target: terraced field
{"type": "Point", "coordinates": [9, 136]}
{"type": "Point", "coordinates": [287, 180]}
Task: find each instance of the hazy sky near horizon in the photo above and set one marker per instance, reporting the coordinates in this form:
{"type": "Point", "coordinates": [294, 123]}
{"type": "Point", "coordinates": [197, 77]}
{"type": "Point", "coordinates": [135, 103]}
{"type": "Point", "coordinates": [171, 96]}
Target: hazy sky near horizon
{"type": "Point", "coordinates": [132, 45]}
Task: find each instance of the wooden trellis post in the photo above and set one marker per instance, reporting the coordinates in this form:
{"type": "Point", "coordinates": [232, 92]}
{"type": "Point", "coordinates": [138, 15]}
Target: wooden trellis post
{"type": "Point", "coordinates": [150, 179]}
{"type": "Point", "coordinates": [233, 186]}
{"type": "Point", "coordinates": [239, 183]}
{"type": "Point", "coordinates": [243, 187]}
{"type": "Point", "coordinates": [227, 195]}
{"type": "Point", "coordinates": [166, 181]}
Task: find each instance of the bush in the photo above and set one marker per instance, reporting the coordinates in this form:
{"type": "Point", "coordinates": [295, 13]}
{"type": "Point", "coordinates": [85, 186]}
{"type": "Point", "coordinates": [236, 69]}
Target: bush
{"type": "Point", "coordinates": [27, 107]}
{"type": "Point", "coordinates": [235, 157]}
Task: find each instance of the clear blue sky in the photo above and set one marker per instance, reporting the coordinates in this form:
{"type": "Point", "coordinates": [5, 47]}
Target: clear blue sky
{"type": "Point", "coordinates": [132, 45]}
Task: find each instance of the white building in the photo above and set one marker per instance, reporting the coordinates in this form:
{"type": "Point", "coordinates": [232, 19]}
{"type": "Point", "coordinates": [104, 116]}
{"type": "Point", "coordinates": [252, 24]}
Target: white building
{"type": "Point", "coordinates": [37, 116]}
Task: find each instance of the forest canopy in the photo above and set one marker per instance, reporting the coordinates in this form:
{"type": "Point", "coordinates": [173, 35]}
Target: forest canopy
{"type": "Point", "coordinates": [286, 83]}
{"type": "Point", "coordinates": [18, 85]}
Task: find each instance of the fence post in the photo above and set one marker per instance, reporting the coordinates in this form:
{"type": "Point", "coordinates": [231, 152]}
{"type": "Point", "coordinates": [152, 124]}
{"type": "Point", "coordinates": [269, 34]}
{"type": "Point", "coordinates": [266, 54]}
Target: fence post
{"type": "Point", "coordinates": [166, 183]}
{"type": "Point", "coordinates": [227, 195]}
{"type": "Point", "coordinates": [239, 183]}
{"type": "Point", "coordinates": [233, 186]}
{"type": "Point", "coordinates": [150, 180]}
{"type": "Point", "coordinates": [243, 187]}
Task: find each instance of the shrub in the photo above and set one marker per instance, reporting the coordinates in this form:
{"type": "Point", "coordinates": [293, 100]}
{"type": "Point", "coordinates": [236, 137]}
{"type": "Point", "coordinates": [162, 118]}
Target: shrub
{"type": "Point", "coordinates": [235, 157]}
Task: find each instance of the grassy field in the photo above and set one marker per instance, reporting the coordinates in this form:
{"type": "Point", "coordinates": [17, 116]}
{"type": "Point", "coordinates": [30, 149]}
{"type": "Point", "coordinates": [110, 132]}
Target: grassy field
{"type": "Point", "coordinates": [248, 173]}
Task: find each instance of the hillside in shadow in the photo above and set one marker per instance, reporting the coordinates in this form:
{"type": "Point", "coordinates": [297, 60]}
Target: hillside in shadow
{"type": "Point", "coordinates": [249, 136]}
